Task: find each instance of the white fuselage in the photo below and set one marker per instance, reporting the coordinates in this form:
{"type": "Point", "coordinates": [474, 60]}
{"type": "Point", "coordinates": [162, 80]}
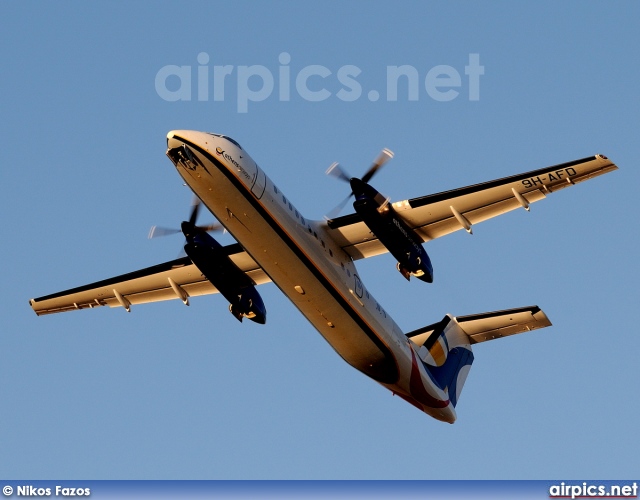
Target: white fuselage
{"type": "Point", "coordinates": [301, 258]}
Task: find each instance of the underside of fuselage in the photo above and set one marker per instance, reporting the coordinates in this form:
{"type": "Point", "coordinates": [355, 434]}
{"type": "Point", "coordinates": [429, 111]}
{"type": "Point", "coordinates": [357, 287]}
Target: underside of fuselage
{"type": "Point", "coordinates": [290, 261]}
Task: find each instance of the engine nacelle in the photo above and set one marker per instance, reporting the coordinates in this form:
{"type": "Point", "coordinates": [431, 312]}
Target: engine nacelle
{"type": "Point", "coordinates": [417, 263]}
{"type": "Point", "coordinates": [213, 262]}
{"type": "Point", "coordinates": [249, 305]}
{"type": "Point", "coordinates": [396, 236]}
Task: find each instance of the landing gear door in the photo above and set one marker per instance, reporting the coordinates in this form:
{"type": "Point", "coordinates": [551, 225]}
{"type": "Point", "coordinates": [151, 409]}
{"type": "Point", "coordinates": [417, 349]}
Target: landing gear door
{"type": "Point", "coordinates": [259, 184]}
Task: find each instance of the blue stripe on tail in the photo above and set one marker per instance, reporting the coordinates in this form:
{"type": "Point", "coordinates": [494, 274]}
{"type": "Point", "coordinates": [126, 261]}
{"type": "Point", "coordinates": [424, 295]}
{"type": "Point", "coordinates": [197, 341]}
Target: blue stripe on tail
{"type": "Point", "coordinates": [452, 373]}
{"type": "Point", "coordinates": [447, 375]}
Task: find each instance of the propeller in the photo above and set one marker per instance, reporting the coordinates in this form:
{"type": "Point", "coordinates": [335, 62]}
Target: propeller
{"type": "Point", "coordinates": [384, 156]}
{"type": "Point", "coordinates": [335, 170]}
{"type": "Point", "coordinates": [159, 231]}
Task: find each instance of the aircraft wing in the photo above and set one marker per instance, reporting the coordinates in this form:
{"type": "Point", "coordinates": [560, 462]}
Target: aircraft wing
{"type": "Point", "coordinates": [176, 279]}
{"type": "Point", "coordinates": [439, 214]}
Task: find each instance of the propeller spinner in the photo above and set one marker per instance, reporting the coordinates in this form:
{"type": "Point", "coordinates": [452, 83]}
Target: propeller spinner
{"type": "Point", "coordinates": [187, 226]}
{"type": "Point", "coordinates": [213, 261]}
{"type": "Point", "coordinates": [335, 170]}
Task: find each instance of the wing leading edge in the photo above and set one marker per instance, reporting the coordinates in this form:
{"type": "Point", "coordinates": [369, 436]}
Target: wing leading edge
{"type": "Point", "coordinates": [176, 279]}
{"type": "Point", "coordinates": [442, 213]}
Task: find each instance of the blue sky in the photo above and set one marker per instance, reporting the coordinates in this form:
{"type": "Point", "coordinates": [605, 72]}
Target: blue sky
{"type": "Point", "coordinates": [169, 392]}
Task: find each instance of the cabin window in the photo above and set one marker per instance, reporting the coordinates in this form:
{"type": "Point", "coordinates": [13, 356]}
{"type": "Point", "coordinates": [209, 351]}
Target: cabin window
{"type": "Point", "coordinates": [290, 207]}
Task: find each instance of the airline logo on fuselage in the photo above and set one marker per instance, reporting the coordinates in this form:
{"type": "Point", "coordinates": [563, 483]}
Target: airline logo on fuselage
{"type": "Point", "coordinates": [229, 158]}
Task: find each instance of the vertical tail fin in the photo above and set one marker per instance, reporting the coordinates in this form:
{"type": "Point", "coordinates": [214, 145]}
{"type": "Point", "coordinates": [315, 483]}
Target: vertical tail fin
{"type": "Point", "coordinates": [447, 355]}
{"type": "Point", "coordinates": [445, 347]}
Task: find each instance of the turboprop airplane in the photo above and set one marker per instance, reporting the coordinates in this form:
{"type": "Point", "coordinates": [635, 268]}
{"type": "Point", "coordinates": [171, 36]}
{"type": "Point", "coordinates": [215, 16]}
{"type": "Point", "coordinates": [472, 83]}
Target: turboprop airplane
{"type": "Point", "coordinates": [313, 263]}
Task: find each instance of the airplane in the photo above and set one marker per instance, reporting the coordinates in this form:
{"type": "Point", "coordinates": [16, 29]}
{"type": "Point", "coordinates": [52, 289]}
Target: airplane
{"type": "Point", "coordinates": [313, 263]}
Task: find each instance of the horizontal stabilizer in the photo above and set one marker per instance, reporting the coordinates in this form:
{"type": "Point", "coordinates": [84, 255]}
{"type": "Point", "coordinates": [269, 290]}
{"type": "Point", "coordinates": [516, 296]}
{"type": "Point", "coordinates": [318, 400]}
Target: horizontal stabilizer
{"type": "Point", "coordinates": [445, 347]}
{"type": "Point", "coordinates": [494, 325]}
{"type": "Point", "coordinates": [491, 325]}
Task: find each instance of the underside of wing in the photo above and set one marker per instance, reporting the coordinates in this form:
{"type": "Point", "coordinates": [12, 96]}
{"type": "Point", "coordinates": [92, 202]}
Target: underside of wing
{"type": "Point", "coordinates": [176, 279]}
{"type": "Point", "coordinates": [439, 214]}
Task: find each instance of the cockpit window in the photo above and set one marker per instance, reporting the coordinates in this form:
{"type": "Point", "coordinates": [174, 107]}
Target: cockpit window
{"type": "Point", "coordinates": [231, 140]}
{"type": "Point", "coordinates": [225, 137]}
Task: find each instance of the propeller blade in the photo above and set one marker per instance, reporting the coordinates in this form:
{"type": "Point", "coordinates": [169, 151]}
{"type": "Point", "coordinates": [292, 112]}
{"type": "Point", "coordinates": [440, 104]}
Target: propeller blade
{"type": "Point", "coordinates": [335, 170]}
{"type": "Point", "coordinates": [157, 231]}
{"type": "Point", "coordinates": [334, 213]}
{"type": "Point", "coordinates": [384, 156]}
{"type": "Point", "coordinates": [194, 211]}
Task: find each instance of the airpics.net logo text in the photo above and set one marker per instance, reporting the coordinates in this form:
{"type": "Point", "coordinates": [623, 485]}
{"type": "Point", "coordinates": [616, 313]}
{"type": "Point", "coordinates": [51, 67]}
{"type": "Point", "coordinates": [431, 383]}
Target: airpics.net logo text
{"type": "Point", "coordinates": [313, 83]}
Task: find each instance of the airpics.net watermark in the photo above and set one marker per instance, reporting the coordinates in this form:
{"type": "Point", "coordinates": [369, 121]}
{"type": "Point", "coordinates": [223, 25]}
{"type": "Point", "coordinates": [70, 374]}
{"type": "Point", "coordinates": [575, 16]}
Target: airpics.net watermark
{"type": "Point", "coordinates": [257, 83]}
